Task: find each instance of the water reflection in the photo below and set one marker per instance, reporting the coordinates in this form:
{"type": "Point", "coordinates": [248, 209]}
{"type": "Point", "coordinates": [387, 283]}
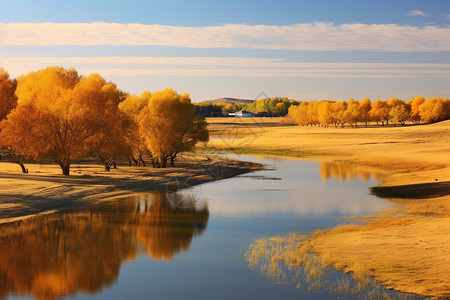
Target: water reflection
{"type": "Point", "coordinates": [61, 254]}
{"type": "Point", "coordinates": [349, 172]}
{"type": "Point", "coordinates": [290, 260]}
{"type": "Point", "coordinates": [296, 187]}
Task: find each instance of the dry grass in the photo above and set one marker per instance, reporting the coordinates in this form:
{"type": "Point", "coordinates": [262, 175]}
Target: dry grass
{"type": "Point", "coordinates": [410, 254]}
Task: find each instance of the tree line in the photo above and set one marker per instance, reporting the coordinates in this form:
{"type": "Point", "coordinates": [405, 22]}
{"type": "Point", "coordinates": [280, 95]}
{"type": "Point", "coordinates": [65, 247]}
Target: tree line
{"type": "Point", "coordinates": [268, 107]}
{"type": "Point", "coordinates": [394, 111]}
{"type": "Point", "coordinates": [55, 113]}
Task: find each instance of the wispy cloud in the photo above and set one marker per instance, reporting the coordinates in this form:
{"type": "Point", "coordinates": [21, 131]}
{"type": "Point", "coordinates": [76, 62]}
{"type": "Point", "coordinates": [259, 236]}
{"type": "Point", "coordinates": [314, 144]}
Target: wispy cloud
{"type": "Point", "coordinates": [308, 36]}
{"type": "Point", "coordinates": [417, 13]}
{"type": "Point", "coordinates": [225, 67]}
{"type": "Point", "coordinates": [244, 62]}
{"type": "Point", "coordinates": [446, 16]}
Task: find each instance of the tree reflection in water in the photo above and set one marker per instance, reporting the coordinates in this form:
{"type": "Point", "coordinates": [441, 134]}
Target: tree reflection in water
{"type": "Point", "coordinates": [349, 172]}
{"type": "Point", "coordinates": [60, 254]}
{"type": "Point", "coordinates": [291, 260]}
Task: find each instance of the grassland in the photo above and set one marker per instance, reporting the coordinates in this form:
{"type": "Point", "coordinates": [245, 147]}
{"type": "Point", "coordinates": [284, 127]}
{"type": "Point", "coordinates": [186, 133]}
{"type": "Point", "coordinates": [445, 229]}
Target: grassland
{"type": "Point", "coordinates": [406, 249]}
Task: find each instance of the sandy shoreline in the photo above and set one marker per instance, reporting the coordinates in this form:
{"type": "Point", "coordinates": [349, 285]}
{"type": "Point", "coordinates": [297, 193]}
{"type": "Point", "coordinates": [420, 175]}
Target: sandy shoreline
{"type": "Point", "coordinates": [44, 190]}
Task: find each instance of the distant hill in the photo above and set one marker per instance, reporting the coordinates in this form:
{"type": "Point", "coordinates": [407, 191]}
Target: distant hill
{"type": "Point", "coordinates": [228, 100]}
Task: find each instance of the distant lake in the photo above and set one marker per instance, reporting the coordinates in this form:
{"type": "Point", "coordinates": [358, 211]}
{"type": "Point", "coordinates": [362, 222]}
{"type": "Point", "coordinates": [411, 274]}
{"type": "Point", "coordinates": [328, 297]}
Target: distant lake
{"type": "Point", "coordinates": [184, 245]}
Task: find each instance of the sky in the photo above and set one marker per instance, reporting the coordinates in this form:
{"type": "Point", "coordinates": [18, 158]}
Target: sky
{"type": "Point", "coordinates": [304, 50]}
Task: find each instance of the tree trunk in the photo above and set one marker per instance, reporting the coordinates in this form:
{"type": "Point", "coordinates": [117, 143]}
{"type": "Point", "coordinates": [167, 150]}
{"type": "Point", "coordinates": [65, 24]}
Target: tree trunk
{"type": "Point", "coordinates": [24, 170]}
{"type": "Point", "coordinates": [114, 165]}
{"type": "Point", "coordinates": [136, 162]}
{"type": "Point", "coordinates": [65, 167]}
{"type": "Point", "coordinates": [141, 160]}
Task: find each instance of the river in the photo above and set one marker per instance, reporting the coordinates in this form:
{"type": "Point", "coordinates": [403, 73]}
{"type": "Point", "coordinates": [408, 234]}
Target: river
{"type": "Point", "coordinates": [188, 244]}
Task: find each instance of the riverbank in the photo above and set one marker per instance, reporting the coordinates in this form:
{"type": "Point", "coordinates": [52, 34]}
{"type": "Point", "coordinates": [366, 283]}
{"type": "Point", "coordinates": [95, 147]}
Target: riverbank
{"type": "Point", "coordinates": [45, 190]}
{"type": "Point", "coordinates": [407, 249]}
{"type": "Point", "coordinates": [412, 154]}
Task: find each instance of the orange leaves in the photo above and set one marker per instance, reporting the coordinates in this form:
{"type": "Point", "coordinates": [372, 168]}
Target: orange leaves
{"type": "Point", "coordinates": [57, 112]}
{"type": "Point", "coordinates": [64, 116]}
{"type": "Point", "coordinates": [352, 111]}
{"type": "Point", "coordinates": [7, 98]}
{"type": "Point", "coordinates": [167, 124]}
{"type": "Point", "coordinates": [434, 109]}
{"type": "Point", "coordinates": [164, 122]}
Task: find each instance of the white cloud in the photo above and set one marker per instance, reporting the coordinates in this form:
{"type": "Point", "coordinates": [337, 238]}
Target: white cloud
{"type": "Point", "coordinates": [308, 36]}
{"type": "Point", "coordinates": [446, 16]}
{"type": "Point", "coordinates": [224, 67]}
{"type": "Point", "coordinates": [417, 13]}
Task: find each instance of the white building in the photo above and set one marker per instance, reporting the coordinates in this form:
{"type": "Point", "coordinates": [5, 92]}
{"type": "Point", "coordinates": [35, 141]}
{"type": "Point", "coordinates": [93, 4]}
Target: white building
{"type": "Point", "coordinates": [243, 114]}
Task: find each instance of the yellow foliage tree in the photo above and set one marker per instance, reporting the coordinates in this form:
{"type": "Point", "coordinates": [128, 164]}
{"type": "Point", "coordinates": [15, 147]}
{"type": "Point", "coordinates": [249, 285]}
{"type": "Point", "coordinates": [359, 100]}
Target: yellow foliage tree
{"type": "Point", "coordinates": [414, 104]}
{"type": "Point", "coordinates": [364, 110]}
{"type": "Point", "coordinates": [379, 111]}
{"type": "Point", "coordinates": [168, 126]}
{"type": "Point", "coordinates": [132, 106]}
{"type": "Point", "coordinates": [109, 143]}
{"type": "Point", "coordinates": [398, 111]}
{"type": "Point", "coordinates": [352, 113]}
{"type": "Point", "coordinates": [434, 110]}
{"type": "Point", "coordinates": [8, 100]}
{"type": "Point", "coordinates": [324, 113]}
{"type": "Point", "coordinates": [57, 112]}
{"type": "Point", "coordinates": [338, 111]}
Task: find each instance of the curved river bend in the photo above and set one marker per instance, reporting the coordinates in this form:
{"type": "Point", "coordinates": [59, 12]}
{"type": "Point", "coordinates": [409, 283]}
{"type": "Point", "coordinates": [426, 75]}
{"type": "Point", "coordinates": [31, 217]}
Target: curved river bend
{"type": "Point", "coordinates": [184, 245]}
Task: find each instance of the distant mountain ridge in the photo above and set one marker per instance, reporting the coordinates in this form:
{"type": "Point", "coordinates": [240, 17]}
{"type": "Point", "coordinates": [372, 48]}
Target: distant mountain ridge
{"type": "Point", "coordinates": [228, 100]}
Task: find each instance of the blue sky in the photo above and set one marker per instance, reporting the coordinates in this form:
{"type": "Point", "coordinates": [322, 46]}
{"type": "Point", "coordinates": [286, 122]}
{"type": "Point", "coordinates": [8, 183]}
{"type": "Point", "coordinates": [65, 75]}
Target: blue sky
{"type": "Point", "coordinates": [306, 50]}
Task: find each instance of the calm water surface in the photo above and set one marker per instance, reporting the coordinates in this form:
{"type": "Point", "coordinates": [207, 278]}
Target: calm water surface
{"type": "Point", "coordinates": [184, 245]}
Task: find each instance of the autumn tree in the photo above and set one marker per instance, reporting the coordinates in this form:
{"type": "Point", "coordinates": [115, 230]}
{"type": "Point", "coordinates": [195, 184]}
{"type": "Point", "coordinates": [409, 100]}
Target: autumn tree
{"type": "Point", "coordinates": [132, 106]}
{"type": "Point", "coordinates": [110, 142]}
{"type": "Point", "coordinates": [414, 104]}
{"type": "Point", "coordinates": [338, 110]}
{"type": "Point", "coordinates": [379, 111]}
{"type": "Point", "coordinates": [168, 126]}
{"type": "Point", "coordinates": [352, 113]}
{"type": "Point", "coordinates": [324, 114]}
{"type": "Point", "coordinates": [364, 110]}
{"type": "Point", "coordinates": [57, 112]}
{"type": "Point", "coordinates": [398, 111]}
{"type": "Point", "coordinates": [395, 110]}
{"type": "Point", "coordinates": [8, 99]}
{"type": "Point", "coordinates": [11, 154]}
{"type": "Point", "coordinates": [280, 108]}
{"type": "Point", "coordinates": [434, 109]}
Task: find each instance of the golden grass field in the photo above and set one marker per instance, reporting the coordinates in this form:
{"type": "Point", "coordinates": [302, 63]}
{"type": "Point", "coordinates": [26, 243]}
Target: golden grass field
{"type": "Point", "coordinates": [406, 249]}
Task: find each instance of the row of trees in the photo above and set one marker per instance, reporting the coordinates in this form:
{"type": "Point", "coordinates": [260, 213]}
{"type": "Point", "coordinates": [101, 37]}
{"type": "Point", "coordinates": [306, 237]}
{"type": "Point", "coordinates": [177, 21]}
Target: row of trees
{"type": "Point", "coordinates": [56, 113]}
{"type": "Point", "coordinates": [269, 107]}
{"type": "Point", "coordinates": [394, 111]}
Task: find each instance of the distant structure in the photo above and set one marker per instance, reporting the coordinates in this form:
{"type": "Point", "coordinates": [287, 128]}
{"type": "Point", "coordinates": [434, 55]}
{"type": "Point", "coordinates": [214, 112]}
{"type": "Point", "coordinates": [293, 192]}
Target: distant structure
{"type": "Point", "coordinates": [242, 114]}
